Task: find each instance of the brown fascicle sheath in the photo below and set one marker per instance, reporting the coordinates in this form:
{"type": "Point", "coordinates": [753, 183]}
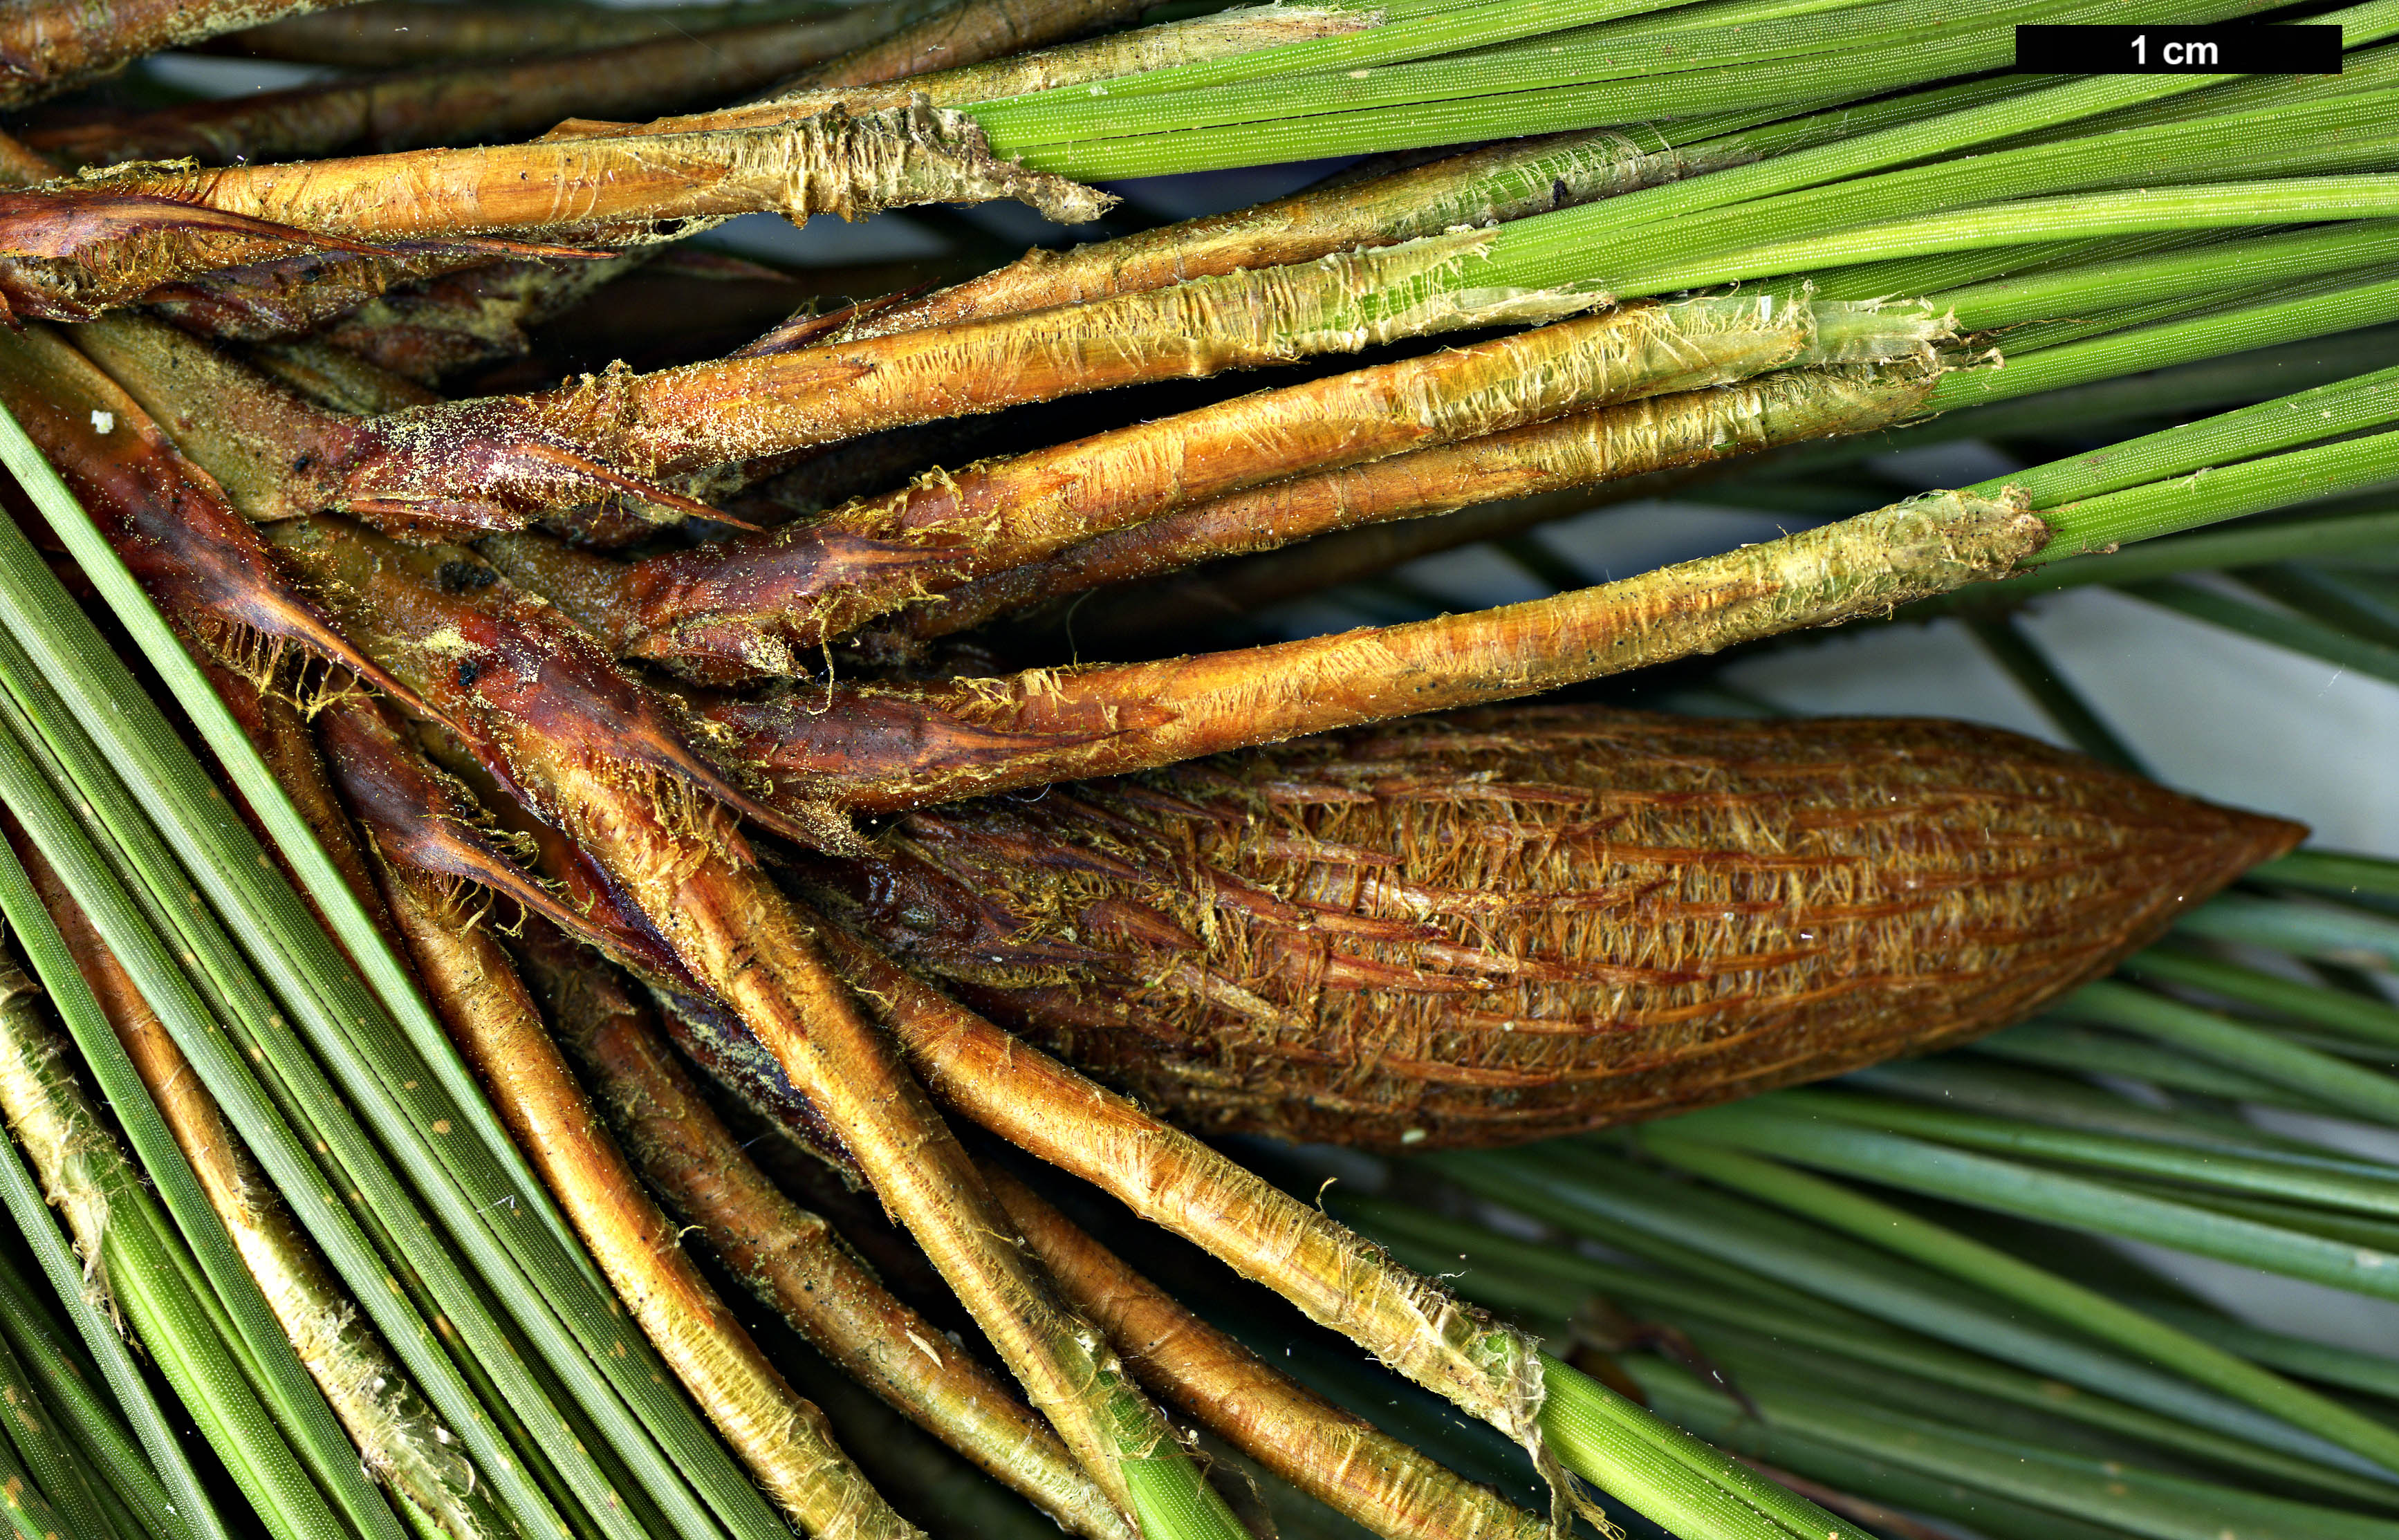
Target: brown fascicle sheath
{"type": "Point", "coordinates": [258, 438]}
{"type": "Point", "coordinates": [762, 606]}
{"type": "Point", "coordinates": [789, 1257]}
{"type": "Point", "coordinates": [169, 521]}
{"type": "Point", "coordinates": [782, 1438]}
{"type": "Point", "coordinates": [1338, 1458]}
{"type": "Point", "coordinates": [550, 717]}
{"type": "Point", "coordinates": [821, 750]}
{"type": "Point", "coordinates": [1482, 188]}
{"type": "Point", "coordinates": [1549, 459]}
{"type": "Point", "coordinates": [480, 315]}
{"type": "Point", "coordinates": [690, 418]}
{"type": "Point", "coordinates": [1336, 1279]}
{"type": "Point", "coordinates": [76, 248]}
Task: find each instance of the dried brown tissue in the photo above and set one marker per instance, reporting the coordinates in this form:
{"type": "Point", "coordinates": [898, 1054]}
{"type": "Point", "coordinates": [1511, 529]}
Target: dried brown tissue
{"type": "Point", "coordinates": [107, 237]}
{"type": "Point", "coordinates": [169, 518]}
{"type": "Point", "coordinates": [481, 314]}
{"type": "Point", "coordinates": [688, 1154]}
{"type": "Point", "coordinates": [388, 33]}
{"type": "Point", "coordinates": [626, 185]}
{"type": "Point", "coordinates": [1480, 188]}
{"type": "Point", "coordinates": [1339, 1458]}
{"type": "Point", "coordinates": [782, 1438]}
{"type": "Point", "coordinates": [713, 413]}
{"type": "Point", "coordinates": [1039, 1104]}
{"type": "Point", "coordinates": [820, 752]}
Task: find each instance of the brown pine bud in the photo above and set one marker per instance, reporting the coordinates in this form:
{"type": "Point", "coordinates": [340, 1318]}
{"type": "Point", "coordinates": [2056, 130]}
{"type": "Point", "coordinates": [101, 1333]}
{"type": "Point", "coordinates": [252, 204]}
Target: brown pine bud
{"type": "Point", "coordinates": [1504, 926]}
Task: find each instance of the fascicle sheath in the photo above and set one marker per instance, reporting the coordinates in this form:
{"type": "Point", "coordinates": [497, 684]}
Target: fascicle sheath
{"type": "Point", "coordinates": [781, 1436]}
{"type": "Point", "coordinates": [789, 1257]}
{"type": "Point", "coordinates": [1341, 1459]}
{"type": "Point", "coordinates": [894, 747]}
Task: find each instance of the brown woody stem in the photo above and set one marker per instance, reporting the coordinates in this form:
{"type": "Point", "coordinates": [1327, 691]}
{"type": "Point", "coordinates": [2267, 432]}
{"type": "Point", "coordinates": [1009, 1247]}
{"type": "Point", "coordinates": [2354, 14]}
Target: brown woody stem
{"type": "Point", "coordinates": [1484, 187]}
{"type": "Point", "coordinates": [620, 187]}
{"type": "Point", "coordinates": [708, 414]}
{"type": "Point", "coordinates": [257, 438]}
{"type": "Point", "coordinates": [545, 718]}
{"type": "Point", "coordinates": [1339, 1281]}
{"type": "Point", "coordinates": [167, 517]}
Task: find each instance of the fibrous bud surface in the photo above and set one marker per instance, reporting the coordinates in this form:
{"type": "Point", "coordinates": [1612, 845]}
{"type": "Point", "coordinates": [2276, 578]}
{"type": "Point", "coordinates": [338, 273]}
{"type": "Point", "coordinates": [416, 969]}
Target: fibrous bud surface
{"type": "Point", "coordinates": [1492, 927]}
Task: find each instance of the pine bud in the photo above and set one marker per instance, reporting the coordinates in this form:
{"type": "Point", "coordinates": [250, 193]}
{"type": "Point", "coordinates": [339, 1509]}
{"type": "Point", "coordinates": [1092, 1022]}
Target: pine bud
{"type": "Point", "coordinates": [1505, 925]}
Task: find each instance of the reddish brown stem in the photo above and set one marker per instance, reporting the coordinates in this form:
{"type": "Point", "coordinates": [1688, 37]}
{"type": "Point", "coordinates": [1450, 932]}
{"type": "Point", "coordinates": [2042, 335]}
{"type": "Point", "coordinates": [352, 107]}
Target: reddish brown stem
{"type": "Point", "coordinates": [1171, 1180]}
{"type": "Point", "coordinates": [282, 298]}
{"type": "Point", "coordinates": [444, 322]}
{"type": "Point", "coordinates": [549, 720]}
{"type": "Point", "coordinates": [259, 439]}
{"type": "Point", "coordinates": [781, 1437]}
{"type": "Point", "coordinates": [273, 297]}
{"type": "Point", "coordinates": [70, 251]}
{"type": "Point", "coordinates": [420, 818]}
{"type": "Point", "coordinates": [708, 414]}
{"type": "Point", "coordinates": [169, 521]}
{"type": "Point", "coordinates": [887, 747]}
